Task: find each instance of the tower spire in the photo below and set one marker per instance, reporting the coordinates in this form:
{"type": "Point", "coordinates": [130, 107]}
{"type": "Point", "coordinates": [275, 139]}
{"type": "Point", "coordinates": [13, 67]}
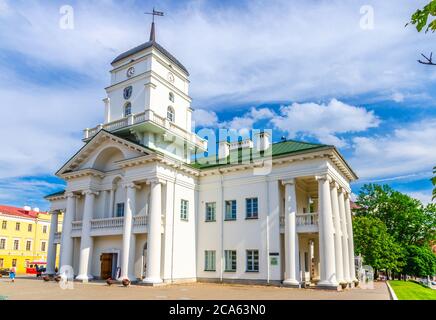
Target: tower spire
{"type": "Point", "coordinates": [153, 28]}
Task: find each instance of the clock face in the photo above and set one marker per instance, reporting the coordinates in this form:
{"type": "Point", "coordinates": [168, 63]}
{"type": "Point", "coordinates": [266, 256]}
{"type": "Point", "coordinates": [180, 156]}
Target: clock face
{"type": "Point", "coordinates": [170, 77]}
{"type": "Point", "coordinates": [128, 92]}
{"type": "Point", "coordinates": [130, 72]}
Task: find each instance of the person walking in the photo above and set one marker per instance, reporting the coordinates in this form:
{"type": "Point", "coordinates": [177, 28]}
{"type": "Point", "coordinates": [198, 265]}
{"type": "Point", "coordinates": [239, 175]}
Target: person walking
{"type": "Point", "coordinates": [12, 274]}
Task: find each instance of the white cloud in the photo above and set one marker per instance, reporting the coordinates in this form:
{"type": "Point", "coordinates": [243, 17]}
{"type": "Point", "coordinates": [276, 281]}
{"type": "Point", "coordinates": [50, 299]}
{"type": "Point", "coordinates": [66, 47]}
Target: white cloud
{"type": "Point", "coordinates": [204, 118]}
{"type": "Point", "coordinates": [324, 121]}
{"type": "Point", "coordinates": [408, 150]}
{"type": "Point", "coordinates": [398, 97]}
{"type": "Point", "coordinates": [236, 53]}
{"type": "Point", "coordinates": [424, 196]}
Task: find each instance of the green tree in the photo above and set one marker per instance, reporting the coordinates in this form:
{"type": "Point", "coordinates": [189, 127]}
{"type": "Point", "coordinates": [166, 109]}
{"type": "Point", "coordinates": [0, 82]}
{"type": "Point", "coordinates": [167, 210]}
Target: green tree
{"type": "Point", "coordinates": [377, 247]}
{"type": "Point", "coordinates": [406, 219]}
{"type": "Point", "coordinates": [434, 183]}
{"type": "Point", "coordinates": [421, 17]}
{"type": "Point", "coordinates": [420, 261]}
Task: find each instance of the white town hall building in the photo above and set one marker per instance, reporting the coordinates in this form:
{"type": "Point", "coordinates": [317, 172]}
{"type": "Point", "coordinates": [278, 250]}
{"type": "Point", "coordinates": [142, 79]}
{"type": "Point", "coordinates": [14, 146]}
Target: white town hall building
{"type": "Point", "coordinates": [137, 206]}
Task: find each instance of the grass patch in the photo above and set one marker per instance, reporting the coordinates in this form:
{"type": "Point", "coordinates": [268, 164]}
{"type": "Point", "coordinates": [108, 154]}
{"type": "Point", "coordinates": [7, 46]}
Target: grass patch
{"type": "Point", "coordinates": [407, 290]}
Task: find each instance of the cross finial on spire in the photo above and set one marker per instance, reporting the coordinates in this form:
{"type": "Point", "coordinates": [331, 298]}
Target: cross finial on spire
{"type": "Point", "coordinates": [152, 31]}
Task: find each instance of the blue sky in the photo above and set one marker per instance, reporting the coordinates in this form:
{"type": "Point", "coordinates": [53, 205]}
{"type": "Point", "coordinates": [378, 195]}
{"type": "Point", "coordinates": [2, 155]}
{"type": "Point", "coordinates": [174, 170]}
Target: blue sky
{"type": "Point", "coordinates": [307, 70]}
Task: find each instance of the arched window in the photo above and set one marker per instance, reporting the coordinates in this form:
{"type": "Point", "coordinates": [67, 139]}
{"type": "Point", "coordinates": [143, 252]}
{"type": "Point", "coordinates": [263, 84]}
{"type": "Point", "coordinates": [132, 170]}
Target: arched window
{"type": "Point", "coordinates": [127, 109]}
{"type": "Point", "coordinates": [170, 114]}
{"type": "Point", "coordinates": [171, 97]}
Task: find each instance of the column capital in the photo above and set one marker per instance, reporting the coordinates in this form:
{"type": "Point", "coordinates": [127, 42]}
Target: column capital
{"type": "Point", "coordinates": [53, 212]}
{"type": "Point", "coordinates": [334, 185]}
{"type": "Point", "coordinates": [342, 190]}
{"type": "Point", "coordinates": [90, 192]}
{"type": "Point", "coordinates": [156, 181]}
{"type": "Point", "coordinates": [70, 195]}
{"type": "Point", "coordinates": [132, 185]}
{"type": "Point", "coordinates": [288, 181]}
{"type": "Point", "coordinates": [323, 177]}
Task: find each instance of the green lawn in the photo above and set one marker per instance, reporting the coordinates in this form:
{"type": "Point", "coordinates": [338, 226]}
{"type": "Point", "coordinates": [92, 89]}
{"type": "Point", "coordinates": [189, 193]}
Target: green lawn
{"type": "Point", "coordinates": [407, 290]}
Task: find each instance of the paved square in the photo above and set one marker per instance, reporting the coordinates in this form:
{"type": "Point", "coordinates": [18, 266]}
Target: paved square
{"type": "Point", "coordinates": [33, 289]}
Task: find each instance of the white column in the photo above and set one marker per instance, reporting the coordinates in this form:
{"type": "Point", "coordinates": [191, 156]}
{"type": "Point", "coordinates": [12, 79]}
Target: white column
{"type": "Point", "coordinates": [291, 236]}
{"type": "Point", "coordinates": [111, 203]}
{"type": "Point", "coordinates": [338, 233]}
{"type": "Point", "coordinates": [326, 237]}
{"type": "Point", "coordinates": [66, 258]}
{"type": "Point", "coordinates": [86, 241]}
{"type": "Point", "coordinates": [128, 253]}
{"type": "Point", "coordinates": [350, 238]}
{"type": "Point", "coordinates": [107, 110]}
{"type": "Point", "coordinates": [154, 235]}
{"type": "Point", "coordinates": [51, 250]}
{"type": "Point", "coordinates": [345, 250]}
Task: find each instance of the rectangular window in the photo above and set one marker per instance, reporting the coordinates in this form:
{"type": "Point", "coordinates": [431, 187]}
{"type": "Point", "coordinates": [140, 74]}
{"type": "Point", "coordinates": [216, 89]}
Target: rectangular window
{"type": "Point", "coordinates": [2, 244]}
{"type": "Point", "coordinates": [251, 208]}
{"type": "Point", "coordinates": [120, 209]}
{"type": "Point", "coordinates": [44, 229]}
{"type": "Point", "coordinates": [14, 262]}
{"type": "Point", "coordinates": [2, 261]}
{"type": "Point", "coordinates": [28, 245]}
{"type": "Point", "coordinates": [17, 226]}
{"type": "Point", "coordinates": [306, 262]}
{"type": "Point", "coordinates": [230, 260]}
{"type": "Point", "coordinates": [210, 211]}
{"type": "Point", "coordinates": [4, 225]}
{"type": "Point", "coordinates": [16, 244]}
{"type": "Point", "coordinates": [43, 244]}
{"type": "Point", "coordinates": [252, 260]}
{"type": "Point", "coordinates": [209, 260]}
{"type": "Point", "coordinates": [29, 228]}
{"type": "Point", "coordinates": [184, 210]}
{"type": "Point", "coordinates": [230, 210]}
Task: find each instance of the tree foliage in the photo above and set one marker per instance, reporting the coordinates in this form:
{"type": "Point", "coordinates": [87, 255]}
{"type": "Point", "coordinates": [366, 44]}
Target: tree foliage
{"type": "Point", "coordinates": [406, 219]}
{"type": "Point", "coordinates": [376, 245]}
{"type": "Point", "coordinates": [423, 18]}
{"type": "Point", "coordinates": [420, 261]}
{"type": "Point", "coordinates": [393, 231]}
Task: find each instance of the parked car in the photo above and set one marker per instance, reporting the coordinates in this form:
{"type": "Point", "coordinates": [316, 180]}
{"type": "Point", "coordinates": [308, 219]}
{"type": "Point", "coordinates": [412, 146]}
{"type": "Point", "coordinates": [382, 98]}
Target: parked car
{"type": "Point", "coordinates": [4, 272]}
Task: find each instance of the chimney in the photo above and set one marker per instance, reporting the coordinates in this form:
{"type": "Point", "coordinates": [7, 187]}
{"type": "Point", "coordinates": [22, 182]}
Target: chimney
{"type": "Point", "coordinates": [223, 150]}
{"type": "Point", "coordinates": [27, 208]}
{"type": "Point", "coordinates": [263, 141]}
{"type": "Point", "coordinates": [36, 209]}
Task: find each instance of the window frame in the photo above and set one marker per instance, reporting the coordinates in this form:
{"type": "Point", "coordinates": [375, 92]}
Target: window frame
{"type": "Point", "coordinates": [171, 97]}
{"type": "Point", "coordinates": [184, 210]}
{"type": "Point", "coordinates": [250, 261]}
{"type": "Point", "coordinates": [233, 255]}
{"type": "Point", "coordinates": [44, 229]}
{"type": "Point", "coordinates": [16, 241]}
{"type": "Point", "coordinates": [210, 215]}
{"type": "Point", "coordinates": [4, 225]}
{"type": "Point", "coordinates": [28, 245]}
{"type": "Point", "coordinates": [17, 226]}
{"type": "Point", "coordinates": [29, 227]}
{"type": "Point", "coordinates": [233, 207]}
{"type": "Point", "coordinates": [117, 206]}
{"type": "Point", "coordinates": [127, 104]}
{"type": "Point", "coordinates": [250, 213]}
{"type": "Point", "coordinates": [172, 112]}
{"type": "Point", "coordinates": [210, 266]}
{"type": "Point", "coordinates": [3, 240]}
{"type": "Point", "coordinates": [43, 244]}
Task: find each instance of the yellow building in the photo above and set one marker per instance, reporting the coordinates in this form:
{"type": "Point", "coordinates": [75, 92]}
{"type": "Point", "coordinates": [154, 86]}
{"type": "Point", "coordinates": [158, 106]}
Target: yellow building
{"type": "Point", "coordinates": [24, 237]}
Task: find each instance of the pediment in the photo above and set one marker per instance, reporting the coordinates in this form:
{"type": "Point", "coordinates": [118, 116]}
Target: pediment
{"type": "Point", "coordinates": [102, 153]}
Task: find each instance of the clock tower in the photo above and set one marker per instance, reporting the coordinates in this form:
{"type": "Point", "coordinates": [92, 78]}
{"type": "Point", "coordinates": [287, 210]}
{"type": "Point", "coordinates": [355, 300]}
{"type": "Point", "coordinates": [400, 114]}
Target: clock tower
{"type": "Point", "coordinates": [148, 100]}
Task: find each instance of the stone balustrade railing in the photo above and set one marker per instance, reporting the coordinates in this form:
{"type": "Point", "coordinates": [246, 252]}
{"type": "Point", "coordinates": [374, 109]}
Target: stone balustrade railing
{"type": "Point", "coordinates": [76, 225]}
{"type": "Point", "coordinates": [139, 221]}
{"type": "Point", "coordinates": [303, 219]}
{"type": "Point", "coordinates": [143, 117]}
{"type": "Point", "coordinates": [107, 223]}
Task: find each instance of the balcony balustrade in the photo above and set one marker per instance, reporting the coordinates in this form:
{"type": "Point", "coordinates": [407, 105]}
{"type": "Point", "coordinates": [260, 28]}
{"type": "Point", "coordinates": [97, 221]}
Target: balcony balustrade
{"type": "Point", "coordinates": [306, 222]}
{"type": "Point", "coordinates": [146, 116]}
